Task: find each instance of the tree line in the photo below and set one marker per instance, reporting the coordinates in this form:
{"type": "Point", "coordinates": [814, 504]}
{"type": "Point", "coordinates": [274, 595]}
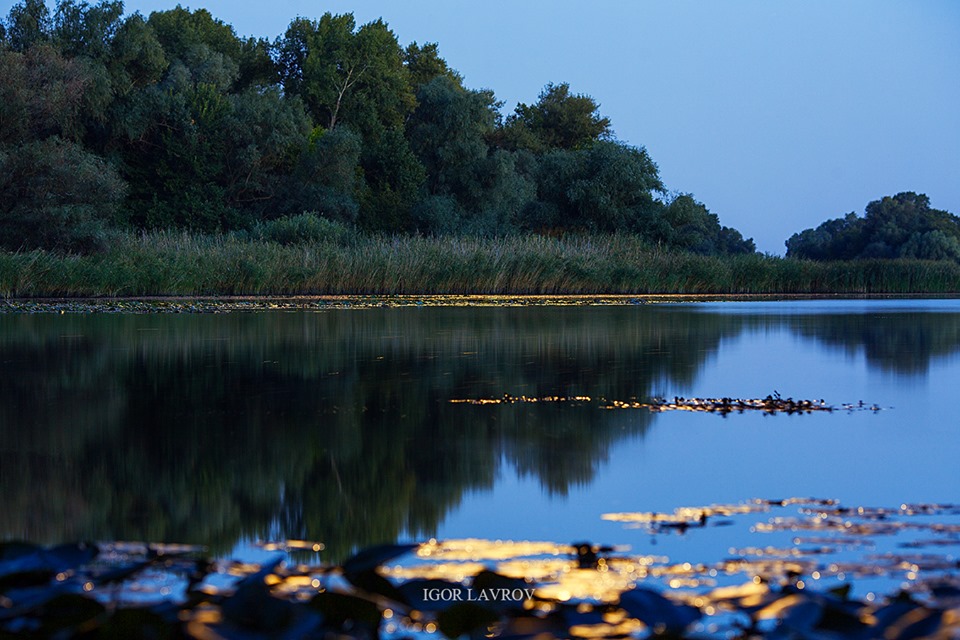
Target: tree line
{"type": "Point", "coordinates": [899, 226]}
{"type": "Point", "coordinates": [172, 121]}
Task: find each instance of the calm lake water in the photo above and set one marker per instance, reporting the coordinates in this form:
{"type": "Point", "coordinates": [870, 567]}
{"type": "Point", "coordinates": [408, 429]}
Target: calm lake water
{"type": "Point", "coordinates": [338, 426]}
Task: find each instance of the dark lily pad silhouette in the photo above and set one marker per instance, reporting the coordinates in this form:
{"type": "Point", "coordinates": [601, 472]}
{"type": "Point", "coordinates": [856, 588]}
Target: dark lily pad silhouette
{"type": "Point", "coordinates": [374, 557]}
{"type": "Point", "coordinates": [657, 612]}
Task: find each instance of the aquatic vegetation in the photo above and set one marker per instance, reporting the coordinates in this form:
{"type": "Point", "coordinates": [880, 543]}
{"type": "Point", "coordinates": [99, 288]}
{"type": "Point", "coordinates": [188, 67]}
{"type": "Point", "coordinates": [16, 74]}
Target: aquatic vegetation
{"type": "Point", "coordinates": [498, 588]}
{"type": "Point", "coordinates": [179, 264]}
{"type": "Point", "coordinates": [769, 405]}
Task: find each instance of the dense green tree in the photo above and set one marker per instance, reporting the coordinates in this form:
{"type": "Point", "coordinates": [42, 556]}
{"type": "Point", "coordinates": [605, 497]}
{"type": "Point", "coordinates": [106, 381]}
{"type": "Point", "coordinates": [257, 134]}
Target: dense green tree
{"type": "Point", "coordinates": [212, 131]}
{"type": "Point", "coordinates": [82, 29]}
{"type": "Point", "coordinates": [356, 77]}
{"type": "Point", "coordinates": [346, 75]}
{"type": "Point", "coordinates": [55, 195]}
{"type": "Point", "coordinates": [209, 160]}
{"type": "Point", "coordinates": [28, 23]}
{"type": "Point", "coordinates": [684, 223]}
{"type": "Point", "coordinates": [290, 52]}
{"type": "Point", "coordinates": [900, 226]}
{"type": "Point", "coordinates": [448, 134]}
{"type": "Point", "coordinates": [184, 34]}
{"type": "Point", "coordinates": [558, 120]}
{"type": "Point", "coordinates": [471, 186]}
{"type": "Point", "coordinates": [424, 64]}
{"type": "Point", "coordinates": [325, 177]}
{"type": "Point", "coordinates": [392, 182]}
{"type": "Point", "coordinates": [138, 59]}
{"type": "Point", "coordinates": [607, 187]}
{"type": "Point", "coordinates": [41, 94]}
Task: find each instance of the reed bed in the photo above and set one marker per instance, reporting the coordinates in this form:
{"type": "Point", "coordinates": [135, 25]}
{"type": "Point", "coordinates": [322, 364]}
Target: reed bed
{"type": "Point", "coordinates": [181, 264]}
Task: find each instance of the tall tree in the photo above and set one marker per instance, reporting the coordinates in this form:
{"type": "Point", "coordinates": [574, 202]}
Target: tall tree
{"type": "Point", "coordinates": [82, 29]}
{"type": "Point", "coordinates": [346, 75]}
{"type": "Point", "coordinates": [471, 187]}
{"type": "Point", "coordinates": [182, 33]}
{"type": "Point", "coordinates": [356, 78]}
{"type": "Point", "coordinates": [138, 59]}
{"type": "Point", "coordinates": [606, 187]}
{"type": "Point", "coordinates": [28, 23]}
{"type": "Point", "coordinates": [558, 120]}
{"type": "Point", "coordinates": [54, 193]}
{"type": "Point", "coordinates": [424, 64]}
{"type": "Point", "coordinates": [42, 94]}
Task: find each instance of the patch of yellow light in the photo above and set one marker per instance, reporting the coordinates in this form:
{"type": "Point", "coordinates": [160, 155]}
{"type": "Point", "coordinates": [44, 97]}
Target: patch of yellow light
{"type": "Point", "coordinates": [775, 609]}
{"type": "Point", "coordinates": [683, 570]}
{"type": "Point", "coordinates": [776, 552]}
{"type": "Point", "coordinates": [789, 501]}
{"type": "Point", "coordinates": [509, 399]}
{"type": "Point", "coordinates": [685, 514]}
{"type": "Point", "coordinates": [680, 583]}
{"type": "Point", "coordinates": [294, 584]}
{"type": "Point", "coordinates": [769, 568]}
{"type": "Point", "coordinates": [586, 584]}
{"type": "Point", "coordinates": [480, 549]}
{"type": "Point", "coordinates": [204, 615]}
{"type": "Point", "coordinates": [293, 545]}
{"type": "Point", "coordinates": [607, 630]}
{"type": "Point", "coordinates": [725, 405]}
{"type": "Point", "coordinates": [452, 571]}
{"type": "Point", "coordinates": [242, 569]}
{"type": "Point", "coordinates": [209, 589]}
{"type": "Point", "coordinates": [737, 592]}
{"type": "Point", "coordinates": [536, 570]}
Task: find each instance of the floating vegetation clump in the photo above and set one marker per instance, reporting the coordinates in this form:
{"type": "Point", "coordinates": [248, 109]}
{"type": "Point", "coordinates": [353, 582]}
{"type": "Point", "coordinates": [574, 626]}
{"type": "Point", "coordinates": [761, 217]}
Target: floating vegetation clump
{"type": "Point", "coordinates": [509, 399]}
{"type": "Point", "coordinates": [508, 589]}
{"type": "Point", "coordinates": [770, 405]}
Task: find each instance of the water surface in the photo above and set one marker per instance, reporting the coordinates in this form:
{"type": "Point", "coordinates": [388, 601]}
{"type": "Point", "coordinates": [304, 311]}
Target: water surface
{"type": "Point", "coordinates": [337, 426]}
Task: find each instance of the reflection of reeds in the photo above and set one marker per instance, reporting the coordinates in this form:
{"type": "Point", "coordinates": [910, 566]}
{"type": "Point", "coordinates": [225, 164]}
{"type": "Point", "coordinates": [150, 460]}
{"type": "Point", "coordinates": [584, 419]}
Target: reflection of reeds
{"type": "Point", "coordinates": [174, 263]}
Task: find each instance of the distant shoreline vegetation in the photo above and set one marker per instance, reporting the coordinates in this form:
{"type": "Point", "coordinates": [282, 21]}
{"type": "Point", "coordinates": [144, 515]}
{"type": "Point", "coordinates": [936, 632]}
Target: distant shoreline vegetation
{"type": "Point", "coordinates": [165, 155]}
{"type": "Point", "coordinates": [167, 263]}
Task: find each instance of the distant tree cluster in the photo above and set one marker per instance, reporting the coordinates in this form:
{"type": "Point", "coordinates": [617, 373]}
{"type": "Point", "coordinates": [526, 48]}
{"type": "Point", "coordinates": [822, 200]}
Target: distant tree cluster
{"type": "Point", "coordinates": [900, 226]}
{"type": "Point", "coordinates": [173, 121]}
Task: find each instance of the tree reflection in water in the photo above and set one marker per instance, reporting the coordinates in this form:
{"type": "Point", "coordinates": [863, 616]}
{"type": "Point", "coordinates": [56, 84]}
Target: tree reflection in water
{"type": "Point", "coordinates": [334, 426]}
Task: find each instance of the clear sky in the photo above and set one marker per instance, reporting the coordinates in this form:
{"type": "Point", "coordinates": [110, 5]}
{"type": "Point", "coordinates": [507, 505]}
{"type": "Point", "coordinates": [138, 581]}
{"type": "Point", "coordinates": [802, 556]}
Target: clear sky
{"type": "Point", "coordinates": [776, 115]}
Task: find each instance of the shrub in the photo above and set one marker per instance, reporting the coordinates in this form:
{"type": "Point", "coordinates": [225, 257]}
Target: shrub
{"type": "Point", "coordinates": [306, 228]}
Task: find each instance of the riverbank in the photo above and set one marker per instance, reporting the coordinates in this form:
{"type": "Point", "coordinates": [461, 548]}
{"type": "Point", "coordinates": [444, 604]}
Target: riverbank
{"type": "Point", "coordinates": [178, 264]}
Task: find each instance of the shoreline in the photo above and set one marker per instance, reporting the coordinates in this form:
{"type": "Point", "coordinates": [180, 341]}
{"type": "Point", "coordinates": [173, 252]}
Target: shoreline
{"type": "Point", "coordinates": [250, 303]}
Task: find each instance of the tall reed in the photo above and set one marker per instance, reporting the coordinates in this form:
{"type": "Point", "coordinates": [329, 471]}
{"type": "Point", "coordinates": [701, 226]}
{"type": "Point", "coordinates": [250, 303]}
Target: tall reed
{"type": "Point", "coordinates": [177, 263]}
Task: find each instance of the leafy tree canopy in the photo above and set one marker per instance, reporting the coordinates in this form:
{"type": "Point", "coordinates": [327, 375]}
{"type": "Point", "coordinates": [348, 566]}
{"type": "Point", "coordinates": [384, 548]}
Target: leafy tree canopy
{"type": "Point", "coordinates": [27, 24]}
{"type": "Point", "coordinates": [177, 122]}
{"type": "Point", "coordinates": [424, 64]}
{"type": "Point", "coordinates": [900, 226]}
{"type": "Point", "coordinates": [558, 120]}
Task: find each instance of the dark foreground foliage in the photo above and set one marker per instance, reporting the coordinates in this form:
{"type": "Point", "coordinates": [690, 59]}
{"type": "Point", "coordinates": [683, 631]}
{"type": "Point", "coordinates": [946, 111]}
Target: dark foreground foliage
{"type": "Point", "coordinates": [482, 588]}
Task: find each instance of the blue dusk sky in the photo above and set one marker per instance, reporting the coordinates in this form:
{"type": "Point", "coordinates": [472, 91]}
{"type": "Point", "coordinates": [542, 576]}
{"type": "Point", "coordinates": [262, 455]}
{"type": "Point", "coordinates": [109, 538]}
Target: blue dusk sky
{"type": "Point", "coordinates": [776, 115]}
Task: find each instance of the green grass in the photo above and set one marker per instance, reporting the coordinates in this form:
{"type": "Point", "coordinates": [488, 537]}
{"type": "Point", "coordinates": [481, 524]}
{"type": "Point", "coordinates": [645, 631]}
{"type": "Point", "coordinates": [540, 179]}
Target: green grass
{"type": "Point", "coordinates": [173, 263]}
